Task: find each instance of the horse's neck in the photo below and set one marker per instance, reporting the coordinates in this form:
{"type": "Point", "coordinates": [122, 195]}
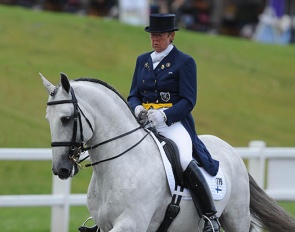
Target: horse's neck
{"type": "Point", "coordinates": [111, 117]}
{"type": "Point", "coordinates": [113, 122]}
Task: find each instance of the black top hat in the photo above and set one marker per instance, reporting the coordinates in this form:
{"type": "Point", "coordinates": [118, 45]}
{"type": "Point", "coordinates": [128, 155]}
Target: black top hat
{"type": "Point", "coordinates": [161, 23]}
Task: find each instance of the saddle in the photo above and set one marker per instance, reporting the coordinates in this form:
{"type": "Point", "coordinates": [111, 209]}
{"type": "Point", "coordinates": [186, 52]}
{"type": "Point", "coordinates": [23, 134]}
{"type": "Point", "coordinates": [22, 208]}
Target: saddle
{"type": "Point", "coordinates": [172, 154]}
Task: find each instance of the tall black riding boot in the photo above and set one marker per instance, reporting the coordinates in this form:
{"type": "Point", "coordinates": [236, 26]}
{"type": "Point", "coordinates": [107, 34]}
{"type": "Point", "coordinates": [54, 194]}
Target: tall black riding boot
{"type": "Point", "coordinates": [202, 196]}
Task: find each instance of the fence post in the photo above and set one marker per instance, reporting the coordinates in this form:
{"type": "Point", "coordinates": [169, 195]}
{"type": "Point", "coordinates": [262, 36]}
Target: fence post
{"type": "Point", "coordinates": [256, 165]}
{"type": "Point", "coordinates": [60, 213]}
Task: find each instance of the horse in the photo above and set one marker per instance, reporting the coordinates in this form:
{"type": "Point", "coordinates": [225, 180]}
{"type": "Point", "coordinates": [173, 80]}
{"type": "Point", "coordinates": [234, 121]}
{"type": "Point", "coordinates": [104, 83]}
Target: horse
{"type": "Point", "coordinates": [128, 190]}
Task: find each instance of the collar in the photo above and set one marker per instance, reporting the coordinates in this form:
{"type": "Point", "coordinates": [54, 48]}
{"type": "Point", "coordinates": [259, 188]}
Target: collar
{"type": "Point", "coordinates": [158, 56]}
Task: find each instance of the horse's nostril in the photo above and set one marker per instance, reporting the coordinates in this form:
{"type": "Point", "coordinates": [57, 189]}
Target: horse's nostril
{"type": "Point", "coordinates": [64, 171]}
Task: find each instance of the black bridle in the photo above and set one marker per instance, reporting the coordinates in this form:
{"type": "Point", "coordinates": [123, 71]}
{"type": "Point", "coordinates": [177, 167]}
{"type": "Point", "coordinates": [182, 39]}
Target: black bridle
{"type": "Point", "coordinates": [73, 144]}
{"type": "Point", "coordinates": [80, 147]}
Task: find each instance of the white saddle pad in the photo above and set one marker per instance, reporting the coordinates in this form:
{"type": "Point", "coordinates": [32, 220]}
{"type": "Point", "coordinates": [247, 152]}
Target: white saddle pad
{"type": "Point", "coordinates": [216, 183]}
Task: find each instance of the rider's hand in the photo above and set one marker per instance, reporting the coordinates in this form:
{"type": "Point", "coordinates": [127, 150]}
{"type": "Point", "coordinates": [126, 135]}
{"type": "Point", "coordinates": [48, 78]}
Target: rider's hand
{"type": "Point", "coordinates": [156, 117]}
{"type": "Point", "coordinates": [141, 114]}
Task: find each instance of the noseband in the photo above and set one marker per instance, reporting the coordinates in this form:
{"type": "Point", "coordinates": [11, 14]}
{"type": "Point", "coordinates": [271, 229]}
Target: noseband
{"type": "Point", "coordinates": [73, 144]}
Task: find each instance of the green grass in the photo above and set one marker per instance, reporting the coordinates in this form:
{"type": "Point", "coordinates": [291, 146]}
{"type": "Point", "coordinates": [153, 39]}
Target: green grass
{"type": "Point", "coordinates": [37, 219]}
{"type": "Point", "coordinates": [245, 91]}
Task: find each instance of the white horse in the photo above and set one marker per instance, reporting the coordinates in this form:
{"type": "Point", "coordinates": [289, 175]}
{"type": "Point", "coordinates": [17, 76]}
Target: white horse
{"type": "Point", "coordinates": [128, 190]}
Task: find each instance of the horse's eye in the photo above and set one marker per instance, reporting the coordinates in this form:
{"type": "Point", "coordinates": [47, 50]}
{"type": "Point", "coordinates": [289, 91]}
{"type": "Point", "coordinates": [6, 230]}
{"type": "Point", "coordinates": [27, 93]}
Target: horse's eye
{"type": "Point", "coordinates": [65, 119]}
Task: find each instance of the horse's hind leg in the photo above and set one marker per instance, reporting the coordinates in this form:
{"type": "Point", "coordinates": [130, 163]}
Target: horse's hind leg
{"type": "Point", "coordinates": [236, 216]}
{"type": "Point", "coordinates": [236, 220]}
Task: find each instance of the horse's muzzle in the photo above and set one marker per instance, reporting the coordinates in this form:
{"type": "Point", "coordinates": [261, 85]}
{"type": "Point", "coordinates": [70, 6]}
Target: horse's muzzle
{"type": "Point", "coordinates": [66, 172]}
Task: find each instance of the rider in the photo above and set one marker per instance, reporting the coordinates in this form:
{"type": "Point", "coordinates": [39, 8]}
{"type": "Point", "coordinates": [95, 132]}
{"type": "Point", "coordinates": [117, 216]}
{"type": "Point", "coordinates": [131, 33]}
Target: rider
{"type": "Point", "coordinates": [164, 89]}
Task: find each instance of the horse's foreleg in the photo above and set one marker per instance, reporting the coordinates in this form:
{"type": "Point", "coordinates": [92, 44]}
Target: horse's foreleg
{"type": "Point", "coordinates": [128, 225]}
{"type": "Point", "coordinates": [126, 221]}
{"type": "Point", "coordinates": [92, 198]}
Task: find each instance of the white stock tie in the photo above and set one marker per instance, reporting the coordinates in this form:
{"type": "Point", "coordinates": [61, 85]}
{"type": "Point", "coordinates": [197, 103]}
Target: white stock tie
{"type": "Point", "coordinates": [157, 57]}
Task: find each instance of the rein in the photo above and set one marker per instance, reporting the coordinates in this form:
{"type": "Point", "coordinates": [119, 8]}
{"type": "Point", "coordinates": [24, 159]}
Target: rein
{"type": "Point", "coordinates": [117, 156]}
{"type": "Point", "coordinates": [80, 146]}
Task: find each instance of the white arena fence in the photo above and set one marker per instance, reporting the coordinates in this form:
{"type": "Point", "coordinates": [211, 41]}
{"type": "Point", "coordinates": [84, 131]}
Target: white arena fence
{"type": "Point", "coordinates": [271, 167]}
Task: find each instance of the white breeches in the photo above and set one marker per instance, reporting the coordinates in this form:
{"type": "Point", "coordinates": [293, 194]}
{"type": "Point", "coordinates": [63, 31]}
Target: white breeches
{"type": "Point", "coordinates": [181, 137]}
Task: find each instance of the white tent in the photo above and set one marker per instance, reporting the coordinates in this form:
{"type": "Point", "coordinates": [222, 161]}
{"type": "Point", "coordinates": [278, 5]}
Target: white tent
{"type": "Point", "coordinates": [134, 12]}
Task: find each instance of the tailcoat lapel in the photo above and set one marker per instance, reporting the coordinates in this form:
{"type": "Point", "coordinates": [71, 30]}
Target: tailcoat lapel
{"type": "Point", "coordinates": [167, 62]}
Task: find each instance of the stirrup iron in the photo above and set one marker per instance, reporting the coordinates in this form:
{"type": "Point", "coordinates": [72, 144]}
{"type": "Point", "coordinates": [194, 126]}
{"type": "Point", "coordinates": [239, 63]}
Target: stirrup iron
{"type": "Point", "coordinates": [210, 219]}
{"type": "Point", "coordinates": [85, 228]}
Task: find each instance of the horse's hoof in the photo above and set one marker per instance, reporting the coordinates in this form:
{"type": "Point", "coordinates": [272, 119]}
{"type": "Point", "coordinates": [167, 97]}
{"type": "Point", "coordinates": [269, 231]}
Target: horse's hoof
{"type": "Point", "coordinates": [88, 229]}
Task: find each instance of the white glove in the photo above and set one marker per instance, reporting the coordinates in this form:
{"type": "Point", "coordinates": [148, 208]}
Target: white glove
{"type": "Point", "coordinates": [141, 114]}
{"type": "Point", "coordinates": [139, 109]}
{"type": "Point", "coordinates": [156, 117]}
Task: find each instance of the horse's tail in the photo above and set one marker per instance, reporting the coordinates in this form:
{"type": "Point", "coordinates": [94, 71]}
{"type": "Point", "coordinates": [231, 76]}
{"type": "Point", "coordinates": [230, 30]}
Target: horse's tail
{"type": "Point", "coordinates": [267, 213]}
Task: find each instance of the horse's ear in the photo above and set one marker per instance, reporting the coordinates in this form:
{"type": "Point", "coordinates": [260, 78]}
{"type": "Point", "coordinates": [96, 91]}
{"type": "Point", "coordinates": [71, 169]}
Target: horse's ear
{"type": "Point", "coordinates": [65, 83]}
{"type": "Point", "coordinates": [48, 86]}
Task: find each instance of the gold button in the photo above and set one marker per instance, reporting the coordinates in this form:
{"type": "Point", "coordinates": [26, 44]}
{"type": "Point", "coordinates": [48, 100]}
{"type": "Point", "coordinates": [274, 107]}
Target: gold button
{"type": "Point", "coordinates": [143, 81]}
{"type": "Point", "coordinates": [157, 101]}
{"type": "Point", "coordinates": [155, 81]}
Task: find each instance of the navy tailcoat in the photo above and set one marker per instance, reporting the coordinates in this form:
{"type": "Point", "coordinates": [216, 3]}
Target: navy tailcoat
{"type": "Point", "coordinates": [174, 81]}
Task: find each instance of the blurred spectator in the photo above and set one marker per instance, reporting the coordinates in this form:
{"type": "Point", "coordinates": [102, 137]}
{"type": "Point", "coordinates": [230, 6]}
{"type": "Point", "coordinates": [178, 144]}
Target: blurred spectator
{"type": "Point", "coordinates": [101, 7]}
{"type": "Point", "coordinates": [229, 17]}
{"type": "Point", "coordinates": [275, 23]}
{"type": "Point", "coordinates": [290, 10]}
{"type": "Point", "coordinates": [247, 16]}
{"type": "Point", "coordinates": [54, 5]}
{"type": "Point", "coordinates": [216, 16]}
{"type": "Point", "coordinates": [190, 14]}
{"type": "Point", "coordinates": [158, 6]}
{"type": "Point", "coordinates": [75, 6]}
